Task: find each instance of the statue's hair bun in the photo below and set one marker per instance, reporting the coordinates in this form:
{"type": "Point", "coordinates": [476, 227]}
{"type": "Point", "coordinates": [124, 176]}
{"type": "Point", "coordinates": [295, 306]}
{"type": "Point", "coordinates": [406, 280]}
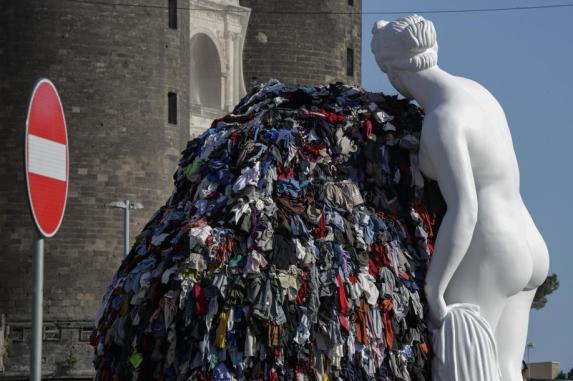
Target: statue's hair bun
{"type": "Point", "coordinates": [419, 32]}
{"type": "Point", "coordinates": [409, 43]}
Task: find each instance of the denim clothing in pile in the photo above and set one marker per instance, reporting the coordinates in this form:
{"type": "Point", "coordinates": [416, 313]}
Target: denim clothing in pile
{"type": "Point", "coordinates": [294, 247]}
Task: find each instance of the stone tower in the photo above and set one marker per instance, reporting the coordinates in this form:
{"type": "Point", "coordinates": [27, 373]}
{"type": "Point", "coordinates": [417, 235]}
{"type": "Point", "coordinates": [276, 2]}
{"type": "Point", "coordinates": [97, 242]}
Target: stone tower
{"type": "Point", "coordinates": [302, 41]}
{"type": "Point", "coordinates": [117, 68]}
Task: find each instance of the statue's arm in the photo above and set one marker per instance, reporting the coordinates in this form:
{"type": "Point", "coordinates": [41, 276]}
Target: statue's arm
{"type": "Point", "coordinates": [446, 145]}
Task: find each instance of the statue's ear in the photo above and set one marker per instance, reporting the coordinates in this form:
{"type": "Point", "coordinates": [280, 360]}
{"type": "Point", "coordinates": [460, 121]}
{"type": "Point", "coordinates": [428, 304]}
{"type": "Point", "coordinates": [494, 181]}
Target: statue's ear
{"type": "Point", "coordinates": [379, 25]}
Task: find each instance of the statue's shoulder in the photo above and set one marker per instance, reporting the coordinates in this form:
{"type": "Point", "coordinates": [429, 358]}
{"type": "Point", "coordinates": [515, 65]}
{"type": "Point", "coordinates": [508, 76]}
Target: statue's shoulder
{"type": "Point", "coordinates": [478, 90]}
{"type": "Point", "coordinates": [443, 128]}
{"type": "Point", "coordinates": [446, 118]}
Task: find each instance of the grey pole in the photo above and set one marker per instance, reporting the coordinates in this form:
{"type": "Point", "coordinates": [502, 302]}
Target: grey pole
{"type": "Point", "coordinates": [126, 229]}
{"type": "Point", "coordinates": [36, 355]}
{"type": "Point", "coordinates": [529, 346]}
{"type": "Point", "coordinates": [125, 205]}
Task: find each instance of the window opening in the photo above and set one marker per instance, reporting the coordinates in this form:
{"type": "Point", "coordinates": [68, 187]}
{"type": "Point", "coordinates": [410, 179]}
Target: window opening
{"type": "Point", "coordinates": [172, 108]}
{"type": "Point", "coordinates": [173, 14]}
{"type": "Point", "coordinates": [350, 61]}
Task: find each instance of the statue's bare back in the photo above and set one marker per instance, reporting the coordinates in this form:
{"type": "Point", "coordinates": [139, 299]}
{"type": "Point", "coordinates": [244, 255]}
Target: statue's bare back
{"type": "Point", "coordinates": [505, 237]}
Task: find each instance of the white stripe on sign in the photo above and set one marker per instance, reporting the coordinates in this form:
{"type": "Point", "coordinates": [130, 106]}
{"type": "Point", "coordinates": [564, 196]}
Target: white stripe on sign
{"type": "Point", "coordinates": [46, 158]}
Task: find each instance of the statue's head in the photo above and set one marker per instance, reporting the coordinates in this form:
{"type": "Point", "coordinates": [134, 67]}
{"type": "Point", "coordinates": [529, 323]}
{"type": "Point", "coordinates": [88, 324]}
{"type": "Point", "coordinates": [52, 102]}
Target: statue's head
{"type": "Point", "coordinates": [407, 44]}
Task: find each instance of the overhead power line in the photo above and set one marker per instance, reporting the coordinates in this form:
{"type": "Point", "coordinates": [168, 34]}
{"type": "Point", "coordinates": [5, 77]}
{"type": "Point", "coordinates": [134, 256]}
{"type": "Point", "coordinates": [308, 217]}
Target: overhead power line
{"type": "Point", "coordinates": [235, 10]}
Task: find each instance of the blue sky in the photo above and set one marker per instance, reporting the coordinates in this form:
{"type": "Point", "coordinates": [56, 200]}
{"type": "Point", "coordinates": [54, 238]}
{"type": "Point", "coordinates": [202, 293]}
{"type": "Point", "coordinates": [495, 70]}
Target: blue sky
{"type": "Point", "coordinates": [525, 59]}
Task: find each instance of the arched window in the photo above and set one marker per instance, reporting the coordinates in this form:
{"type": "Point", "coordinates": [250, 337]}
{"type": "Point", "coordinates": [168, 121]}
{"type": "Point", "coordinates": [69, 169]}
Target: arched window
{"type": "Point", "coordinates": [205, 72]}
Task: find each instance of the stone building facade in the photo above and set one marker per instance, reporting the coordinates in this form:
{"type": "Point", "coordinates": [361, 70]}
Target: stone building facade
{"type": "Point", "coordinates": [217, 36]}
{"type": "Point", "coordinates": [114, 68]}
{"type": "Point", "coordinates": [306, 42]}
{"type": "Point", "coordinates": [137, 78]}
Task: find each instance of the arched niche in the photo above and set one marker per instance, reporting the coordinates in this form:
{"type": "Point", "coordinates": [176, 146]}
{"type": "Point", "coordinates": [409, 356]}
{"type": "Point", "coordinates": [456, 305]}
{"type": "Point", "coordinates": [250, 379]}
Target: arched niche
{"type": "Point", "coordinates": [205, 72]}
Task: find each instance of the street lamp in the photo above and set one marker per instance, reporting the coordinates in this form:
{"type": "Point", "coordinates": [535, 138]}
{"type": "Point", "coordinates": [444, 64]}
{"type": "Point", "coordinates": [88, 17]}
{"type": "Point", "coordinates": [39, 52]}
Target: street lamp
{"type": "Point", "coordinates": [126, 205]}
{"type": "Point", "coordinates": [529, 347]}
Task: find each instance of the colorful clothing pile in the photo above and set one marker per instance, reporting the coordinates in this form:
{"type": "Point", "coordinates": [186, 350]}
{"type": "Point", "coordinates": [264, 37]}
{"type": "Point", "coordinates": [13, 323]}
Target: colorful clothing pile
{"type": "Point", "coordinates": [294, 247]}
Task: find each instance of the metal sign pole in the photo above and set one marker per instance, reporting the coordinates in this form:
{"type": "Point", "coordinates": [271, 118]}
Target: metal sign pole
{"type": "Point", "coordinates": [46, 162]}
{"type": "Point", "coordinates": [126, 229]}
{"type": "Point", "coordinates": [37, 311]}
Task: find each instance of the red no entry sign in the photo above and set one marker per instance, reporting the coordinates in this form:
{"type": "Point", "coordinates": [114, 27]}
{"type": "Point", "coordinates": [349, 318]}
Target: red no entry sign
{"type": "Point", "coordinates": [47, 158]}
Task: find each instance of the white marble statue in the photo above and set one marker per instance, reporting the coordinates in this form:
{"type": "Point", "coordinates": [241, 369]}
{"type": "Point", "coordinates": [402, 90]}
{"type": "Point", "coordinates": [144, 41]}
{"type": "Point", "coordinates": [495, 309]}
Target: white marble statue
{"type": "Point", "coordinates": [489, 257]}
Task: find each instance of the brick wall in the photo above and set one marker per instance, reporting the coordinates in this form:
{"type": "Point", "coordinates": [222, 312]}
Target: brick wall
{"type": "Point", "coordinates": [113, 67]}
{"type": "Point", "coordinates": [307, 46]}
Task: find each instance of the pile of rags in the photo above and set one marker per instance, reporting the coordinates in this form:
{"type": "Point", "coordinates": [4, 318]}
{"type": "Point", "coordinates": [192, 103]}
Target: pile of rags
{"type": "Point", "coordinates": [294, 247]}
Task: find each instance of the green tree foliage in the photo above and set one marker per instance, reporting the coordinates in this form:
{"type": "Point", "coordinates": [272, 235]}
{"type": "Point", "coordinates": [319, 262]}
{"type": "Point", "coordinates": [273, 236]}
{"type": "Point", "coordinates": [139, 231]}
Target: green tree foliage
{"type": "Point", "coordinates": [551, 284]}
{"type": "Point", "coordinates": [561, 376]}
{"type": "Point", "coordinates": [570, 374]}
